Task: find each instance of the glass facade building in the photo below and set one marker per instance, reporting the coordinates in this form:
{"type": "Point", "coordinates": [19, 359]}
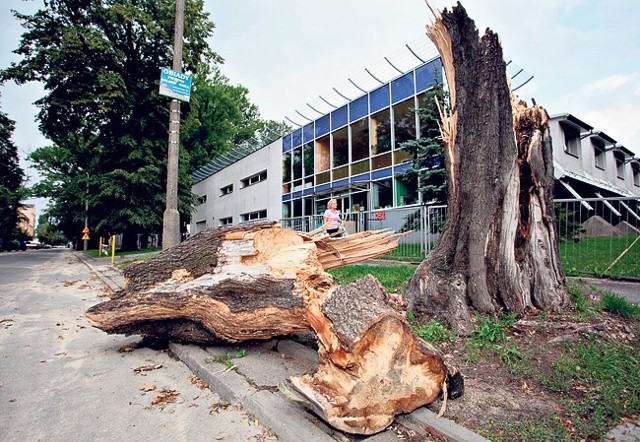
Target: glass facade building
{"type": "Point", "coordinates": [354, 153]}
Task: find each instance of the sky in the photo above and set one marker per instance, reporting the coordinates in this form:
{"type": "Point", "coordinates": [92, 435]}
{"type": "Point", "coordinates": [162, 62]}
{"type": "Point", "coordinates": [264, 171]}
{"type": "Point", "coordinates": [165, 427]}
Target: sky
{"type": "Point", "coordinates": [584, 55]}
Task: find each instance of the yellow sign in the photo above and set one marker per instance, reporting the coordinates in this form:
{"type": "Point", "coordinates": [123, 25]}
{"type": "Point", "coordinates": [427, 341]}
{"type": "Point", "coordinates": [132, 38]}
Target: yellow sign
{"type": "Point", "coordinates": [85, 237]}
{"type": "Point", "coordinates": [85, 230]}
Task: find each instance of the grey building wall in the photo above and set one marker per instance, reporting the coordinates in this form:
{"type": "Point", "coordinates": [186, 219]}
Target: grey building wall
{"type": "Point", "coordinates": [243, 200]}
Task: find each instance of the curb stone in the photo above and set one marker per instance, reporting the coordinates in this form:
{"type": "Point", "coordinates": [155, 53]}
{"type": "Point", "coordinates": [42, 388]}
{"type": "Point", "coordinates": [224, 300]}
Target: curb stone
{"type": "Point", "coordinates": [288, 421]}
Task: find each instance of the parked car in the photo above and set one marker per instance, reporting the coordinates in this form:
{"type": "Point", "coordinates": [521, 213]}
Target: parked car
{"type": "Point", "coordinates": [34, 245]}
{"type": "Point", "coordinates": [12, 244]}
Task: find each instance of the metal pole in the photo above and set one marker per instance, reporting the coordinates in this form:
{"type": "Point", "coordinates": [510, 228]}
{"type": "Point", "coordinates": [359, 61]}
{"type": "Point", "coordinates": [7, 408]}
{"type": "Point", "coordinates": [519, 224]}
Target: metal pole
{"type": "Point", "coordinates": [171, 219]}
{"type": "Point", "coordinates": [86, 214]}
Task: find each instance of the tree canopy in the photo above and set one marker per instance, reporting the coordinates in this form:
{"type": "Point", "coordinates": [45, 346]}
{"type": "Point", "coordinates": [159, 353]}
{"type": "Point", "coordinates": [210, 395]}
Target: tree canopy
{"type": "Point", "coordinates": [99, 61]}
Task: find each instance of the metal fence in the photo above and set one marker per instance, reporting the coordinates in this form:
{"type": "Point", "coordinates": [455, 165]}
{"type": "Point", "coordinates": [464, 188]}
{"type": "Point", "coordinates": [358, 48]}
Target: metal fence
{"type": "Point", "coordinates": [597, 236]}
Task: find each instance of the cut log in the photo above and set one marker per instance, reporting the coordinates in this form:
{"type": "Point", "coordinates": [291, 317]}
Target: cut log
{"type": "Point", "coordinates": [372, 366]}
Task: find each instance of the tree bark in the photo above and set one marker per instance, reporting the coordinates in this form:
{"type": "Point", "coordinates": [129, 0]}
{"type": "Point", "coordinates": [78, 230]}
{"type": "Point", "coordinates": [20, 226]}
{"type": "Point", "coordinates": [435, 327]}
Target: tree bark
{"type": "Point", "coordinates": [498, 249]}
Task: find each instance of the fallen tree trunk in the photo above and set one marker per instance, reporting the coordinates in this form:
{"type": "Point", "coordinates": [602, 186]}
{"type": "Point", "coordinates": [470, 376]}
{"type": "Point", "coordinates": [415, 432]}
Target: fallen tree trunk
{"type": "Point", "coordinates": [232, 284]}
{"type": "Point", "coordinates": [261, 281]}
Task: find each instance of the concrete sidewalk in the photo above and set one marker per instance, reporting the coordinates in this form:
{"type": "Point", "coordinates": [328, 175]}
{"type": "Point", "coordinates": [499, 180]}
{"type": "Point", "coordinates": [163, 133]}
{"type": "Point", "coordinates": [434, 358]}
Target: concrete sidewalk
{"type": "Point", "coordinates": [256, 376]}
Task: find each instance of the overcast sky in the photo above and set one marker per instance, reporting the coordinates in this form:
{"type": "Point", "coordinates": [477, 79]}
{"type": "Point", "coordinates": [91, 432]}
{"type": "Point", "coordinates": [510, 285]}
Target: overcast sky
{"type": "Point", "coordinates": [584, 54]}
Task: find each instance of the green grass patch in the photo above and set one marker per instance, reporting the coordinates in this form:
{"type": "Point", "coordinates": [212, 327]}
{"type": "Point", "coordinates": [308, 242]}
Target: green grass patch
{"type": "Point", "coordinates": [526, 430]}
{"type": "Point", "coordinates": [491, 333]}
{"type": "Point", "coordinates": [603, 381]}
{"type": "Point", "coordinates": [593, 255]}
{"type": "Point", "coordinates": [620, 306]}
{"type": "Point", "coordinates": [434, 332]}
{"type": "Point", "coordinates": [393, 278]}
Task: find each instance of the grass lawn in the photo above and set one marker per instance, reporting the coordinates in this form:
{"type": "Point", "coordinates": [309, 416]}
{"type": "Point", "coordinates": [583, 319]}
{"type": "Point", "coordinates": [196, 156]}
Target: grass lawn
{"type": "Point", "coordinates": [585, 256]}
{"type": "Point", "coordinates": [592, 256]}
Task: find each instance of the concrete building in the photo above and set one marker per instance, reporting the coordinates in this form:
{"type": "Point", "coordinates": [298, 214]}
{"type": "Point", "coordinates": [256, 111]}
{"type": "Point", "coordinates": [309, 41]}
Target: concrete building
{"type": "Point", "coordinates": [589, 163]}
{"type": "Point", "coordinates": [27, 221]}
{"type": "Point", "coordinates": [353, 153]}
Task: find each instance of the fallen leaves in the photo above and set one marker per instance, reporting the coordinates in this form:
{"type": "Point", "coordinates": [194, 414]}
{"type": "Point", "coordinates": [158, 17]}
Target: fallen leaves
{"type": "Point", "coordinates": [147, 387]}
{"type": "Point", "coordinates": [149, 367]}
{"type": "Point", "coordinates": [195, 380]}
{"type": "Point", "coordinates": [165, 396]}
{"type": "Point", "coordinates": [215, 408]}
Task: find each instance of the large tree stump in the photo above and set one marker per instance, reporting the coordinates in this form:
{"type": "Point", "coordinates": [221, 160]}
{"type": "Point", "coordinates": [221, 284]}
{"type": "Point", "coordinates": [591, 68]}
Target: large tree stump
{"type": "Point", "coordinates": [498, 249]}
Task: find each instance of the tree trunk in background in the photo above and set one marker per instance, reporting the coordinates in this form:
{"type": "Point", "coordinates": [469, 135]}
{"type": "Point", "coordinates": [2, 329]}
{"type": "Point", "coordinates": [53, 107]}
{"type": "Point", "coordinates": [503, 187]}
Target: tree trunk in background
{"type": "Point", "coordinates": [498, 249]}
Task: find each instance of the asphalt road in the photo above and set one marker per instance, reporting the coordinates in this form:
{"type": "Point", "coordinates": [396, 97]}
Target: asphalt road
{"type": "Point", "coordinates": [62, 380]}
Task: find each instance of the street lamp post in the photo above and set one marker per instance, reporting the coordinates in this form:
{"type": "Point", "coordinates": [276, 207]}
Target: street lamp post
{"type": "Point", "coordinates": [171, 219]}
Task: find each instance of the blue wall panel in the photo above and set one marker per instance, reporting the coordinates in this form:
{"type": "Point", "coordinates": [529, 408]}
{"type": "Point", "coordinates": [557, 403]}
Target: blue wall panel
{"type": "Point", "coordinates": [363, 177]}
{"type": "Point", "coordinates": [339, 117]}
{"type": "Point", "coordinates": [286, 143]}
{"type": "Point", "coordinates": [323, 126]}
{"type": "Point", "coordinates": [382, 173]}
{"type": "Point", "coordinates": [379, 98]}
{"type": "Point", "coordinates": [401, 168]}
{"type": "Point", "coordinates": [340, 183]}
{"type": "Point", "coordinates": [307, 133]}
{"type": "Point", "coordinates": [297, 138]}
{"type": "Point", "coordinates": [358, 108]}
{"type": "Point", "coordinates": [426, 75]}
{"type": "Point", "coordinates": [402, 87]}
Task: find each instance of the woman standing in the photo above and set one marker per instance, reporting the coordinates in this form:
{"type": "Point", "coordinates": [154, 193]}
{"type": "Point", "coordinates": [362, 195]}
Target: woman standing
{"type": "Point", "coordinates": [332, 217]}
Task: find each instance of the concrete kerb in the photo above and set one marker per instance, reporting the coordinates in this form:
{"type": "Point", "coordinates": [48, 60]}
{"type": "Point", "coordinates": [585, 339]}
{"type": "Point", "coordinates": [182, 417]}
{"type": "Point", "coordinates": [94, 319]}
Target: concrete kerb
{"type": "Point", "coordinates": [287, 419]}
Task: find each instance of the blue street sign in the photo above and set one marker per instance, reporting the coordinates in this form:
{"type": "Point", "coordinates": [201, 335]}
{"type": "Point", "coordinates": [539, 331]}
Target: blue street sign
{"type": "Point", "coordinates": [175, 84]}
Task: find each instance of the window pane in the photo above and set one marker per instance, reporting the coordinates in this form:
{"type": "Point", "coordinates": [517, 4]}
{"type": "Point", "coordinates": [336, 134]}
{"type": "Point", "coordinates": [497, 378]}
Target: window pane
{"type": "Point", "coordinates": [340, 172]}
{"type": "Point", "coordinates": [360, 167]}
{"type": "Point", "coordinates": [382, 194]}
{"type": "Point", "coordinates": [381, 132]}
{"type": "Point", "coordinates": [322, 154]}
{"type": "Point", "coordinates": [404, 122]}
{"type": "Point", "coordinates": [307, 154]}
{"type": "Point", "coordinates": [286, 167]}
{"type": "Point", "coordinates": [340, 147]}
{"type": "Point", "coordinates": [381, 161]}
{"type": "Point", "coordinates": [360, 140]}
{"type": "Point", "coordinates": [407, 191]}
{"type": "Point", "coordinates": [297, 163]}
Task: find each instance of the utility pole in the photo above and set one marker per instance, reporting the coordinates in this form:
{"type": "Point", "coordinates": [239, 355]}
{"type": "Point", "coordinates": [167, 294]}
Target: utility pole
{"type": "Point", "coordinates": [171, 219]}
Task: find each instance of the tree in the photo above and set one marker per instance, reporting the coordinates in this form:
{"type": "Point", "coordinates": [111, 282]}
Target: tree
{"type": "Point", "coordinates": [12, 176]}
{"type": "Point", "coordinates": [99, 62]}
{"type": "Point", "coordinates": [48, 232]}
{"type": "Point", "coordinates": [498, 250]}
{"type": "Point", "coordinates": [427, 170]}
